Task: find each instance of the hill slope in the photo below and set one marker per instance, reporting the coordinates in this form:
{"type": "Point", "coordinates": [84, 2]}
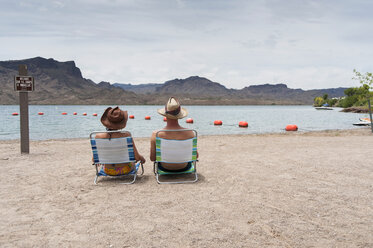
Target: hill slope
{"type": "Point", "coordinates": [58, 83]}
{"type": "Point", "coordinates": [62, 83]}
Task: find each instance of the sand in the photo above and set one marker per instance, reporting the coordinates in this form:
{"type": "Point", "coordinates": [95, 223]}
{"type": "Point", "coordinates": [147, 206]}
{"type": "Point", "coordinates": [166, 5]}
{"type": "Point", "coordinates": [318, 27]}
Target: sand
{"type": "Point", "coordinates": [273, 190]}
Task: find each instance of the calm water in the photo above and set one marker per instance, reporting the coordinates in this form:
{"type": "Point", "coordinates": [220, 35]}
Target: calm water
{"type": "Point", "coordinates": [261, 119]}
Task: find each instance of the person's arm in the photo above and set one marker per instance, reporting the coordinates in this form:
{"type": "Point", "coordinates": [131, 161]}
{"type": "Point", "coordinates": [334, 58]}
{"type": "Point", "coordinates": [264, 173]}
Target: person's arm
{"type": "Point", "coordinates": [138, 156]}
{"type": "Point", "coordinates": [152, 147]}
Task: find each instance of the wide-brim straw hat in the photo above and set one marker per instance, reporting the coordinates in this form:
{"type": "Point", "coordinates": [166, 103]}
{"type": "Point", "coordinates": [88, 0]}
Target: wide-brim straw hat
{"type": "Point", "coordinates": [173, 110]}
{"type": "Point", "coordinates": [114, 118]}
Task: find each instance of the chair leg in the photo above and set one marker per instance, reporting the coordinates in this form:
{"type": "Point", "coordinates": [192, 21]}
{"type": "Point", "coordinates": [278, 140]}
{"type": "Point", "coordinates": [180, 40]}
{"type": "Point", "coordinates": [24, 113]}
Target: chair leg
{"type": "Point", "coordinates": [134, 179]}
{"type": "Point", "coordinates": [95, 181]}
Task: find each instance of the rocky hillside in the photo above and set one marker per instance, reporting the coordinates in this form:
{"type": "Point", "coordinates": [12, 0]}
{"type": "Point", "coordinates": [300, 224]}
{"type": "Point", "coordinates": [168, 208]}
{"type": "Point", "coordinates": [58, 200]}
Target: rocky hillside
{"type": "Point", "coordinates": [59, 83]}
{"type": "Point", "coordinates": [62, 83]}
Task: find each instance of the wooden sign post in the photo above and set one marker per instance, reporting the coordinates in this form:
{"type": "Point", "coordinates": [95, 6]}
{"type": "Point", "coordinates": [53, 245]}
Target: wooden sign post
{"type": "Point", "coordinates": [24, 84]}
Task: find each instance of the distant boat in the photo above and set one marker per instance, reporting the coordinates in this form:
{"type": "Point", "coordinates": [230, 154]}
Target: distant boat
{"type": "Point", "coordinates": [362, 123]}
{"type": "Point", "coordinates": [323, 108]}
{"type": "Point", "coordinates": [364, 119]}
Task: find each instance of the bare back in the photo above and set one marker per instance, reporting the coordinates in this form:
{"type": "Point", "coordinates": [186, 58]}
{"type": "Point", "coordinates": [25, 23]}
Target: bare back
{"type": "Point", "coordinates": [174, 135]}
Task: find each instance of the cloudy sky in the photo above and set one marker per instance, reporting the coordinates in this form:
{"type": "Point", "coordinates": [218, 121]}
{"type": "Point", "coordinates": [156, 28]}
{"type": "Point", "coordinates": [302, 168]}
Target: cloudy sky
{"type": "Point", "coordinates": [305, 44]}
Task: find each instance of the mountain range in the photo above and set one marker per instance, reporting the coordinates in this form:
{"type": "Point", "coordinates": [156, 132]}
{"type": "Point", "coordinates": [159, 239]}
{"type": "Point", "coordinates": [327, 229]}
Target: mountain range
{"type": "Point", "coordinates": [62, 83]}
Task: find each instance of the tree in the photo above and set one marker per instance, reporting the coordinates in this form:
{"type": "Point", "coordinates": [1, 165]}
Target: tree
{"type": "Point", "coordinates": [366, 78]}
{"type": "Point", "coordinates": [318, 101]}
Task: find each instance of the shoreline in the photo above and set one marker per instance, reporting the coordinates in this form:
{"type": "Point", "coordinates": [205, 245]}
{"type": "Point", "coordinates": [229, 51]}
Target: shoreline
{"type": "Point", "coordinates": [329, 131]}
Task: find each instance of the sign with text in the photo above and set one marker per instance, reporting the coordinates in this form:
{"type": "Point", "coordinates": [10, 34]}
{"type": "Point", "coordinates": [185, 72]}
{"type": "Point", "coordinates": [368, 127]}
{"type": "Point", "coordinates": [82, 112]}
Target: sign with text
{"type": "Point", "coordinates": [23, 83]}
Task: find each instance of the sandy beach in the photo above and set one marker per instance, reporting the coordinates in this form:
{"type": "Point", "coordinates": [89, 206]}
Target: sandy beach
{"type": "Point", "coordinates": [273, 190]}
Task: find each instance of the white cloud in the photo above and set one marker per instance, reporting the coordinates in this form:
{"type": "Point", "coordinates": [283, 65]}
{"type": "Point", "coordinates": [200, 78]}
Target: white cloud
{"type": "Point", "coordinates": [306, 44]}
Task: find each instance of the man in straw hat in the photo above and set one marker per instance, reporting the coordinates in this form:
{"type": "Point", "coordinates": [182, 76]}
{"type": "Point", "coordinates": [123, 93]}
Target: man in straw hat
{"type": "Point", "coordinates": [173, 112]}
{"type": "Point", "coordinates": [115, 119]}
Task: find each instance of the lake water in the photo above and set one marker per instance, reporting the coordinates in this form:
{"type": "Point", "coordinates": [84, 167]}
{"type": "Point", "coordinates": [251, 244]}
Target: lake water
{"type": "Point", "coordinates": [261, 119]}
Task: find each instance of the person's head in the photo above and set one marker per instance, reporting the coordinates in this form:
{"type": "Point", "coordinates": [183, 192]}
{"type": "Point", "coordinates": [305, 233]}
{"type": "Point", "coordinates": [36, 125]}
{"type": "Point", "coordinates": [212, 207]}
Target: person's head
{"type": "Point", "coordinates": [114, 118]}
{"type": "Point", "coordinates": [173, 110]}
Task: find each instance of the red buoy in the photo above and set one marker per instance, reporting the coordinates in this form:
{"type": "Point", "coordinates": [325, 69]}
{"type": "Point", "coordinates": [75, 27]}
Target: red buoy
{"type": "Point", "coordinates": [75, 113]}
{"type": "Point", "coordinates": [243, 124]}
{"type": "Point", "coordinates": [84, 113]}
{"type": "Point", "coordinates": [94, 114]}
{"type": "Point", "coordinates": [147, 117]}
{"type": "Point", "coordinates": [132, 117]}
{"type": "Point", "coordinates": [291, 128]}
{"type": "Point", "coordinates": [164, 118]}
{"type": "Point", "coordinates": [189, 120]}
{"type": "Point", "coordinates": [218, 123]}
{"type": "Point", "coordinates": [40, 113]}
{"type": "Point", "coordinates": [64, 113]}
{"type": "Point", "coordinates": [15, 113]}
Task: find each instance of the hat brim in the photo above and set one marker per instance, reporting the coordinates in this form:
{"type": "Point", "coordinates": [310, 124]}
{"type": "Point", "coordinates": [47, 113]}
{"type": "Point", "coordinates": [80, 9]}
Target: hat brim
{"type": "Point", "coordinates": [111, 125]}
{"type": "Point", "coordinates": [183, 113]}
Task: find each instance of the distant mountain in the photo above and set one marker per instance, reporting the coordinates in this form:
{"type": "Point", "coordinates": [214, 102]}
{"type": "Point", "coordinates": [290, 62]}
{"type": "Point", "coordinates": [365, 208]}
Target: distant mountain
{"type": "Point", "coordinates": [140, 88]}
{"type": "Point", "coordinates": [59, 83]}
{"type": "Point", "coordinates": [280, 93]}
{"type": "Point", "coordinates": [63, 83]}
{"type": "Point", "coordinates": [193, 86]}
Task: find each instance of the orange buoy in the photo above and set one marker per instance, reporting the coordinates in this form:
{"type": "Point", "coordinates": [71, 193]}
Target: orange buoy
{"type": "Point", "coordinates": [291, 128]}
{"type": "Point", "coordinates": [94, 114]}
{"type": "Point", "coordinates": [15, 113]}
{"type": "Point", "coordinates": [243, 124]}
{"type": "Point", "coordinates": [75, 113]}
{"type": "Point", "coordinates": [164, 118]}
{"type": "Point", "coordinates": [218, 123]}
{"type": "Point", "coordinates": [64, 113]}
{"type": "Point", "coordinates": [40, 113]}
{"type": "Point", "coordinates": [84, 113]}
{"type": "Point", "coordinates": [147, 117]}
{"type": "Point", "coordinates": [189, 120]}
{"type": "Point", "coordinates": [132, 117]}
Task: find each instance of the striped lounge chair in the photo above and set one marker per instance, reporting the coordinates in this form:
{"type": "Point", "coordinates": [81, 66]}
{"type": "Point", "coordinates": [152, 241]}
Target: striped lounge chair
{"type": "Point", "coordinates": [114, 151]}
{"type": "Point", "coordinates": [176, 151]}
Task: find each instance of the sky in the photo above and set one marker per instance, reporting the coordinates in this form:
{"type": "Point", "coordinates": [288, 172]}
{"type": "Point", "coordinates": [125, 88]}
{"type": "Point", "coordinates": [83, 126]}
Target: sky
{"type": "Point", "coordinates": [237, 43]}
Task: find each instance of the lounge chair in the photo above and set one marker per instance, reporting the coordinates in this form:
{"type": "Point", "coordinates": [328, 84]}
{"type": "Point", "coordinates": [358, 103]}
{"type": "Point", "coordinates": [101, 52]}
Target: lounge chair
{"type": "Point", "coordinates": [114, 151]}
{"type": "Point", "coordinates": [176, 151]}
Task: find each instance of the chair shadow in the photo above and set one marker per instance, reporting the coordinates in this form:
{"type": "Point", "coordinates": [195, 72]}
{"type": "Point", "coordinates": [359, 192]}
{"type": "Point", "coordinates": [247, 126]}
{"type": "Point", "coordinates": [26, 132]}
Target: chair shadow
{"type": "Point", "coordinates": [182, 177]}
{"type": "Point", "coordinates": [143, 179]}
{"type": "Point", "coordinates": [140, 179]}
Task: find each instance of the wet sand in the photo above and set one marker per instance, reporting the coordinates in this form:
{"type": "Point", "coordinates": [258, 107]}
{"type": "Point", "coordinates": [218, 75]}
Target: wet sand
{"type": "Point", "coordinates": [274, 190]}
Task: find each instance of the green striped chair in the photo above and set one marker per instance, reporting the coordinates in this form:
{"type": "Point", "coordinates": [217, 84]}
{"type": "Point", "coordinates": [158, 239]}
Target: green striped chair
{"type": "Point", "coordinates": [176, 151]}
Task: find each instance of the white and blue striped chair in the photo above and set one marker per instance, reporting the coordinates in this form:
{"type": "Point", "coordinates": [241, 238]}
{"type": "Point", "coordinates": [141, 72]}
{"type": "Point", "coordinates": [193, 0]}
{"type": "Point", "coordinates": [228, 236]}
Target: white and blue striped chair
{"type": "Point", "coordinates": [176, 151]}
{"type": "Point", "coordinates": [114, 151]}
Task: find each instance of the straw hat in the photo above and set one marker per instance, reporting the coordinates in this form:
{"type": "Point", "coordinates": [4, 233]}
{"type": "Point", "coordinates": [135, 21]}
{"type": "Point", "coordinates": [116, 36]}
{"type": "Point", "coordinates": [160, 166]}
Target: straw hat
{"type": "Point", "coordinates": [114, 118]}
{"type": "Point", "coordinates": [173, 110]}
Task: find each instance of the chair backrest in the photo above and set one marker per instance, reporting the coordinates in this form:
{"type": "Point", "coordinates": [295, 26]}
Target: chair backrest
{"type": "Point", "coordinates": [176, 151]}
{"type": "Point", "coordinates": [113, 150]}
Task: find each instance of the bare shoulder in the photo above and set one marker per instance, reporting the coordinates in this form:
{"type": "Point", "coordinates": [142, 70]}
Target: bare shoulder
{"type": "Point", "coordinates": [126, 134]}
{"type": "Point", "coordinates": [101, 136]}
{"type": "Point", "coordinates": [154, 133]}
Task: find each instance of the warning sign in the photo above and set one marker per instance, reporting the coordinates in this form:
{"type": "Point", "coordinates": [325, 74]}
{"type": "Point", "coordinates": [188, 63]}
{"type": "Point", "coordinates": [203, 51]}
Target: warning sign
{"type": "Point", "coordinates": [23, 83]}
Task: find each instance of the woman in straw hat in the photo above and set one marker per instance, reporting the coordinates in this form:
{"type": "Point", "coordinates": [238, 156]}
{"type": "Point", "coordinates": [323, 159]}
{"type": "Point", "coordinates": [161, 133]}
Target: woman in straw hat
{"type": "Point", "coordinates": [115, 119]}
{"type": "Point", "coordinates": [173, 112]}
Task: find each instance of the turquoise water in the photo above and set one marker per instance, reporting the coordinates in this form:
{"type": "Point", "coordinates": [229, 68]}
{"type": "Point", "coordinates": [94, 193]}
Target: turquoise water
{"type": "Point", "coordinates": [261, 119]}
